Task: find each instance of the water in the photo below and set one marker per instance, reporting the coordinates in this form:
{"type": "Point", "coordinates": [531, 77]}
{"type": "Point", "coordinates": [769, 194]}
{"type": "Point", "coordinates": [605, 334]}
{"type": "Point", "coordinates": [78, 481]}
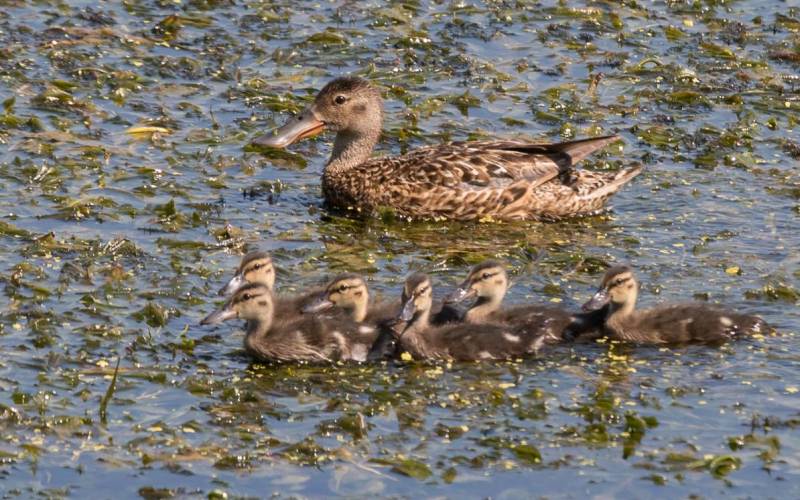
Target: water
{"type": "Point", "coordinates": [113, 243]}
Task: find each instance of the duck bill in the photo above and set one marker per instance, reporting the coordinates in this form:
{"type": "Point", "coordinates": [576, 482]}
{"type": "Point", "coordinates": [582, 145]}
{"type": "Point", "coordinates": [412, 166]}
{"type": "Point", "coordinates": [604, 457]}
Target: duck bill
{"type": "Point", "coordinates": [599, 300]}
{"type": "Point", "coordinates": [219, 316]}
{"type": "Point", "coordinates": [461, 294]}
{"type": "Point", "coordinates": [232, 285]}
{"type": "Point", "coordinates": [300, 127]}
{"type": "Point", "coordinates": [408, 311]}
{"type": "Point", "coordinates": [319, 305]}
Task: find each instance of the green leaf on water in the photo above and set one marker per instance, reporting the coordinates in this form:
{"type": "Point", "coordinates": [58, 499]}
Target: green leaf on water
{"type": "Point", "coordinates": [8, 104]}
{"type": "Point", "coordinates": [153, 314]}
{"type": "Point", "coordinates": [722, 465]}
{"type": "Point", "coordinates": [527, 454]}
{"type": "Point", "coordinates": [109, 393]}
{"type": "Point", "coordinates": [406, 466]}
{"type": "Point", "coordinates": [8, 229]}
{"type": "Point", "coordinates": [327, 37]}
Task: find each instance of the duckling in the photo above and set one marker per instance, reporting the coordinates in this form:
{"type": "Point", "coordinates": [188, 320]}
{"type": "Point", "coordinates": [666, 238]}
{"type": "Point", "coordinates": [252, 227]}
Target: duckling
{"type": "Point", "coordinates": [349, 292]}
{"type": "Point", "coordinates": [257, 267]}
{"type": "Point", "coordinates": [502, 180]}
{"type": "Point", "coordinates": [459, 342]}
{"type": "Point", "coordinates": [304, 338]}
{"type": "Point", "coordinates": [488, 283]}
{"type": "Point", "coordinates": [667, 324]}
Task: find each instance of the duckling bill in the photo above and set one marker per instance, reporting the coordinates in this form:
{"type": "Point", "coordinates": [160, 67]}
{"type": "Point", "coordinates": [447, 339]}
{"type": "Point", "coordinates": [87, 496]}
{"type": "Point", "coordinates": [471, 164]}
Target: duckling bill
{"type": "Point", "coordinates": [502, 180]}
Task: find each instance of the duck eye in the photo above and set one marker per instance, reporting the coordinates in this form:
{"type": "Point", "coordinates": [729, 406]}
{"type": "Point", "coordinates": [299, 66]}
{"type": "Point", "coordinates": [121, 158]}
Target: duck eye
{"type": "Point", "coordinates": [247, 296]}
{"type": "Point", "coordinates": [340, 99]}
{"type": "Point", "coordinates": [257, 267]}
{"type": "Point", "coordinates": [485, 276]}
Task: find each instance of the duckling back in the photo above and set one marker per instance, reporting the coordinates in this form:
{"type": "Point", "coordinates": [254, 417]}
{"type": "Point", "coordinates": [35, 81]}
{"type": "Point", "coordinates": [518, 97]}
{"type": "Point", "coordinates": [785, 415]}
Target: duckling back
{"type": "Point", "coordinates": [460, 342]}
{"type": "Point", "coordinates": [685, 323]}
{"type": "Point", "coordinates": [314, 338]}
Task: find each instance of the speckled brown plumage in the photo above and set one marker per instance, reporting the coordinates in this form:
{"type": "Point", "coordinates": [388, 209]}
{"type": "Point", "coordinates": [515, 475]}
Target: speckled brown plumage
{"type": "Point", "coordinates": [475, 180]}
{"type": "Point", "coordinates": [502, 180]}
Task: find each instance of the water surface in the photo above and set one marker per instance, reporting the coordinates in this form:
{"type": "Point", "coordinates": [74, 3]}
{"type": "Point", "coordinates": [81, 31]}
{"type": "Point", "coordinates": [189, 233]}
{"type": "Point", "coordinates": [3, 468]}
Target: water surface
{"type": "Point", "coordinates": [128, 197]}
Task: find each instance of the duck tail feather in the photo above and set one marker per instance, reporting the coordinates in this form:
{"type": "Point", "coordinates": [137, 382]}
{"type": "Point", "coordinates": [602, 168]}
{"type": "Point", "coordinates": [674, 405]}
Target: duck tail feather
{"type": "Point", "coordinates": [580, 149]}
{"type": "Point", "coordinates": [613, 183]}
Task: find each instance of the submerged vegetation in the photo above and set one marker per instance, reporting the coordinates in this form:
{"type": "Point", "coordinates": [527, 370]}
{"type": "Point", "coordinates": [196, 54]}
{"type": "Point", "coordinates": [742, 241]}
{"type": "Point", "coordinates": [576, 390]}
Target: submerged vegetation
{"type": "Point", "coordinates": [129, 193]}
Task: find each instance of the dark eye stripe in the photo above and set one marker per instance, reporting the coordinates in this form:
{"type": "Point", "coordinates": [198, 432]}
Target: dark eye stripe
{"type": "Point", "coordinates": [246, 297]}
{"type": "Point", "coordinates": [257, 267]}
{"type": "Point", "coordinates": [620, 281]}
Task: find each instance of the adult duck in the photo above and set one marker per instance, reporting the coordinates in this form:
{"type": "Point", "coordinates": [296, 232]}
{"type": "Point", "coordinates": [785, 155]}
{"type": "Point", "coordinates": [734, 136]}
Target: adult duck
{"type": "Point", "coordinates": [500, 180]}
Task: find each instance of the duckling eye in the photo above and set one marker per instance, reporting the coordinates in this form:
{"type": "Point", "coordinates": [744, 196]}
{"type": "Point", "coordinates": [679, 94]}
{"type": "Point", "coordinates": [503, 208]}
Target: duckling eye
{"type": "Point", "coordinates": [257, 267]}
{"type": "Point", "coordinates": [485, 276]}
{"type": "Point", "coordinates": [247, 296]}
{"type": "Point", "coordinates": [340, 99]}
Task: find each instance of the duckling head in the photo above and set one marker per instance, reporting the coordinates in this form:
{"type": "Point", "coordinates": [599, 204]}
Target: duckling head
{"type": "Point", "coordinates": [348, 292]}
{"type": "Point", "coordinates": [488, 281]}
{"type": "Point", "coordinates": [417, 297]}
{"type": "Point", "coordinates": [618, 288]}
{"type": "Point", "coordinates": [256, 267]}
{"type": "Point", "coordinates": [348, 105]}
{"type": "Point", "coordinates": [252, 302]}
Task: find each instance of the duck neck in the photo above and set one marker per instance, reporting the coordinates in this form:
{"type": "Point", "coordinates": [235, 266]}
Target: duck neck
{"type": "Point", "coordinates": [351, 149]}
{"type": "Point", "coordinates": [484, 306]}
{"type": "Point", "coordinates": [621, 310]}
{"type": "Point", "coordinates": [419, 323]}
{"type": "Point", "coordinates": [257, 329]}
{"type": "Point", "coordinates": [359, 311]}
{"type": "Point", "coordinates": [422, 320]}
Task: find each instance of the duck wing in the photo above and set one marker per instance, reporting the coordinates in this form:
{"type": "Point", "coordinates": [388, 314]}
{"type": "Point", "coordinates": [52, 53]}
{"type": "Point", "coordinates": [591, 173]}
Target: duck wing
{"type": "Point", "coordinates": [480, 164]}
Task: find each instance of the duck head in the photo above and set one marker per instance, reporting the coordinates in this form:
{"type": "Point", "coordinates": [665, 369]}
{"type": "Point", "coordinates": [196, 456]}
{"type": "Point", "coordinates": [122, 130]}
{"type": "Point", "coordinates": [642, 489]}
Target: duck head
{"type": "Point", "coordinates": [348, 292]}
{"type": "Point", "coordinates": [251, 302]}
{"type": "Point", "coordinates": [488, 281]}
{"type": "Point", "coordinates": [417, 297]}
{"type": "Point", "coordinates": [618, 289]}
{"type": "Point", "coordinates": [256, 267]}
{"type": "Point", "coordinates": [350, 106]}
